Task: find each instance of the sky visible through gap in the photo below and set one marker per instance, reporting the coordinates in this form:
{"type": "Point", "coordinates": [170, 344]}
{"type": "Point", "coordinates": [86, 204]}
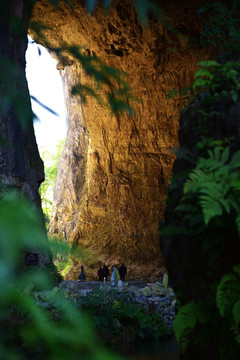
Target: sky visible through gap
{"type": "Point", "coordinates": [45, 84]}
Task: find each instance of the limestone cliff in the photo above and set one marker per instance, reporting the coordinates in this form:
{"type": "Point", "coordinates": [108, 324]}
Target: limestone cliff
{"type": "Point", "coordinates": [114, 171]}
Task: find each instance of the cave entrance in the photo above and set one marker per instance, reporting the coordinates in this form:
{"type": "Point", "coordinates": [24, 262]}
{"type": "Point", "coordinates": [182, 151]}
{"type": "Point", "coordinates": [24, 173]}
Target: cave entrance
{"type": "Point", "coordinates": [48, 104]}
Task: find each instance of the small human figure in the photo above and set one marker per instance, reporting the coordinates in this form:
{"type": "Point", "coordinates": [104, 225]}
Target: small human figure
{"type": "Point", "coordinates": [114, 277]}
{"type": "Point", "coordinates": [82, 276]}
{"type": "Point", "coordinates": [105, 272]}
{"type": "Point", "coordinates": [122, 272]}
{"type": "Point", "coordinates": [100, 274]}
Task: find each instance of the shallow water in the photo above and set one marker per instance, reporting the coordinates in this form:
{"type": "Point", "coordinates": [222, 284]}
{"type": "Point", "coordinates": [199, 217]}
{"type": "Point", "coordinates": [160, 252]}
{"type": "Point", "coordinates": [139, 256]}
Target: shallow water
{"type": "Point", "coordinates": [163, 350]}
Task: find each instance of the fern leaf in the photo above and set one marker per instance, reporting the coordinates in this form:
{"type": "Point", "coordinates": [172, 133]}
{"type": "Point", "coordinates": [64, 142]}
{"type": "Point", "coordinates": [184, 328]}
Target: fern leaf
{"type": "Point", "coordinates": [212, 189]}
{"type": "Point", "coordinates": [184, 207]}
{"type": "Point", "coordinates": [234, 203]}
{"type": "Point", "coordinates": [226, 204]}
{"type": "Point", "coordinates": [184, 322]}
{"type": "Point", "coordinates": [236, 164]}
{"type": "Point", "coordinates": [217, 154]}
{"type": "Point", "coordinates": [236, 312]}
{"type": "Point", "coordinates": [191, 184]}
{"type": "Point", "coordinates": [228, 292]}
{"type": "Point", "coordinates": [237, 269]}
{"type": "Point", "coordinates": [208, 63]}
{"type": "Point", "coordinates": [237, 221]}
{"type": "Point", "coordinates": [210, 208]}
{"type": "Point", "coordinates": [225, 155]}
{"type": "Point", "coordinates": [237, 338]}
{"type": "Point", "coordinates": [222, 173]}
{"type": "Point", "coordinates": [235, 181]}
{"type": "Point", "coordinates": [203, 314]}
{"type": "Point", "coordinates": [203, 72]}
{"type": "Point", "coordinates": [236, 159]}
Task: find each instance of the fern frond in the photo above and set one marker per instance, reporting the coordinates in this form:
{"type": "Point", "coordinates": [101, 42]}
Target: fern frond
{"type": "Point", "coordinates": [210, 208]}
{"type": "Point", "coordinates": [184, 322]}
{"type": "Point", "coordinates": [203, 313]}
{"type": "Point", "coordinates": [234, 202]}
{"type": "Point", "coordinates": [212, 189]}
{"type": "Point", "coordinates": [225, 155]}
{"type": "Point", "coordinates": [184, 207]}
{"type": "Point", "coordinates": [235, 181]}
{"type": "Point", "coordinates": [237, 269]}
{"type": "Point", "coordinates": [223, 172]}
{"type": "Point", "coordinates": [235, 161]}
{"type": "Point", "coordinates": [217, 153]}
{"type": "Point", "coordinates": [192, 184]}
{"type": "Point", "coordinates": [237, 338]}
{"type": "Point", "coordinates": [236, 312]}
{"type": "Point", "coordinates": [226, 204]}
{"type": "Point", "coordinates": [228, 292]}
{"type": "Point", "coordinates": [237, 221]}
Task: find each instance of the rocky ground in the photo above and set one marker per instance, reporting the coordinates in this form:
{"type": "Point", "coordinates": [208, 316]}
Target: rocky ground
{"type": "Point", "coordinates": [150, 296]}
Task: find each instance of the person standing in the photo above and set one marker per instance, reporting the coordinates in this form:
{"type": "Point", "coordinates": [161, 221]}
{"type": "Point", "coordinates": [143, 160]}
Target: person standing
{"type": "Point", "coordinates": [82, 276]}
{"type": "Point", "coordinates": [105, 272]}
{"type": "Point", "coordinates": [122, 272]}
{"type": "Point", "coordinates": [100, 274]}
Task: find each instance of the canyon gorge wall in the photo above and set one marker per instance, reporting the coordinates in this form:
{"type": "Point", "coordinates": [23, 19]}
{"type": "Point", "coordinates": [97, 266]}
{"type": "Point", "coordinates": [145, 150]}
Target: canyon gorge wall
{"type": "Point", "coordinates": [114, 170]}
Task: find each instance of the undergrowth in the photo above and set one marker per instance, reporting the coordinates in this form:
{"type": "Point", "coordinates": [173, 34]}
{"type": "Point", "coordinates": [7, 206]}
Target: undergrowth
{"type": "Point", "coordinates": [116, 318]}
{"type": "Point", "coordinates": [209, 214]}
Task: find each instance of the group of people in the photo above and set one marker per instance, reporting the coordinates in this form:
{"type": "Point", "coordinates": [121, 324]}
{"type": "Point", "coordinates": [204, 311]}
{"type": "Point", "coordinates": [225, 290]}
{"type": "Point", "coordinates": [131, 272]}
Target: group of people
{"type": "Point", "coordinates": [103, 272]}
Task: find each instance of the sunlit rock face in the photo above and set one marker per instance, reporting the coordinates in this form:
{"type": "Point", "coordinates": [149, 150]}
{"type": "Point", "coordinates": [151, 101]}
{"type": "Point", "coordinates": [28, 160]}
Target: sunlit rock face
{"type": "Point", "coordinates": [114, 171]}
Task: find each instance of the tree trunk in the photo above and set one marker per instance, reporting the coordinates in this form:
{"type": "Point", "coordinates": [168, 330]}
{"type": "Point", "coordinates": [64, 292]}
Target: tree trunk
{"type": "Point", "coordinates": [20, 164]}
{"type": "Point", "coordinates": [21, 167]}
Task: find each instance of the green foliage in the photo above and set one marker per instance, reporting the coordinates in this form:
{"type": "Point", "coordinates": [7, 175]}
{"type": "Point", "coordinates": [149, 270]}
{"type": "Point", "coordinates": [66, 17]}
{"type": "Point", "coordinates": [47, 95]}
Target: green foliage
{"type": "Point", "coordinates": [215, 185]}
{"type": "Point", "coordinates": [215, 78]}
{"type": "Point", "coordinates": [211, 201]}
{"type": "Point", "coordinates": [205, 74]}
{"type": "Point", "coordinates": [118, 318]}
{"type": "Point", "coordinates": [27, 329]}
{"type": "Point", "coordinates": [64, 266]}
{"type": "Point", "coordinates": [209, 213]}
{"type": "Point", "coordinates": [46, 189]}
{"type": "Point", "coordinates": [227, 295]}
{"type": "Point", "coordinates": [184, 323]}
{"type": "Point", "coordinates": [144, 8]}
{"type": "Point", "coordinates": [221, 29]}
{"type": "Point", "coordinates": [184, 95]}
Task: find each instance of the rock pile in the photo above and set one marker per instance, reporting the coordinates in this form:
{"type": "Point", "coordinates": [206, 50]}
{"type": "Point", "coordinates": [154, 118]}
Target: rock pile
{"type": "Point", "coordinates": [153, 297]}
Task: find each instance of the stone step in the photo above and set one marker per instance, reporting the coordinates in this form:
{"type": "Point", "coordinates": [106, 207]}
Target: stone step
{"type": "Point", "coordinates": [91, 285]}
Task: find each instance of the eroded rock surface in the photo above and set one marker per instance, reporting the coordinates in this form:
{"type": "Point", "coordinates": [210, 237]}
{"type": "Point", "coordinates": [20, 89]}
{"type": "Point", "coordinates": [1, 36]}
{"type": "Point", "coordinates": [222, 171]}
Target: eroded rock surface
{"type": "Point", "coordinates": [114, 171]}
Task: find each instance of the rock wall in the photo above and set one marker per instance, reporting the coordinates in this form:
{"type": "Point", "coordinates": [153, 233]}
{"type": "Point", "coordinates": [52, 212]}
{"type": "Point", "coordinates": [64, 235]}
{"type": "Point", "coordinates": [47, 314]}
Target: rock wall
{"type": "Point", "coordinates": [114, 171]}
